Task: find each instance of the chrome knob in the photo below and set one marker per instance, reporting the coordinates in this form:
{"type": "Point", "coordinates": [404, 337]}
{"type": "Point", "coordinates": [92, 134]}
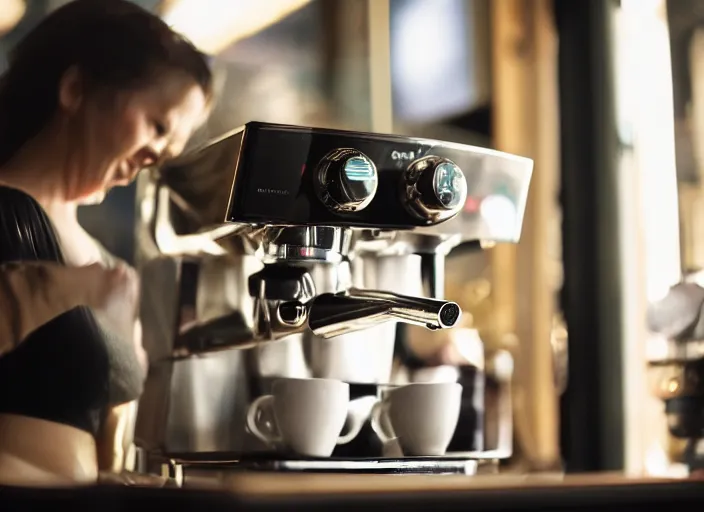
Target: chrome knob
{"type": "Point", "coordinates": [434, 189]}
{"type": "Point", "coordinates": [346, 180]}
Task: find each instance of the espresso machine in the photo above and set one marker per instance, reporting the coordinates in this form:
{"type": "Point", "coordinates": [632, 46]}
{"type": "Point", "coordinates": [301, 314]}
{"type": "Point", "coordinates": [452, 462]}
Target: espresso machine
{"type": "Point", "coordinates": [675, 354]}
{"type": "Point", "coordinates": [283, 251]}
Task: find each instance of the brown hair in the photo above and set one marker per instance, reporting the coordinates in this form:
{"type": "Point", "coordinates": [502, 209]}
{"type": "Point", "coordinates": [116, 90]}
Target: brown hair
{"type": "Point", "coordinates": [114, 43]}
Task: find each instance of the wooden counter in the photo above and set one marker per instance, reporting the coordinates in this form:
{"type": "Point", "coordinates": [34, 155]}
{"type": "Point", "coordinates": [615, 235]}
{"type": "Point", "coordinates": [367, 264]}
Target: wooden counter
{"type": "Point", "coordinates": [255, 485]}
{"type": "Point", "coordinates": [281, 492]}
{"type": "Point", "coordinates": [509, 492]}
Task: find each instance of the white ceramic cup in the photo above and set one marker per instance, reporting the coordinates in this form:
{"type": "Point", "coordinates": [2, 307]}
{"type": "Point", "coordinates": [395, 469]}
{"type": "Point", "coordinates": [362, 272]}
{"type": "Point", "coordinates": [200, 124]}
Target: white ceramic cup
{"type": "Point", "coordinates": [309, 415]}
{"type": "Point", "coordinates": [421, 417]}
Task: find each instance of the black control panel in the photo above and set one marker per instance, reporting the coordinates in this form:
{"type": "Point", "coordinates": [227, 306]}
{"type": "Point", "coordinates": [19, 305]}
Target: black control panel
{"type": "Point", "coordinates": [304, 176]}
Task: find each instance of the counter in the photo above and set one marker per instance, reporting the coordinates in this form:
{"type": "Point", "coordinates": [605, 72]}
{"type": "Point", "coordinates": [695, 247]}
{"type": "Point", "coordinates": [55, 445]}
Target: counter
{"type": "Point", "coordinates": [280, 492]}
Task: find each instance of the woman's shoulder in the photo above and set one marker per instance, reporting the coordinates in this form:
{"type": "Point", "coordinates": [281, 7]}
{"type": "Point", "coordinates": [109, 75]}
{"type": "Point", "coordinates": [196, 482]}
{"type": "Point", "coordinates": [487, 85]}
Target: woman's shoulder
{"type": "Point", "coordinates": [13, 199]}
{"type": "Point", "coordinates": [26, 233]}
{"type": "Point", "coordinates": [21, 208]}
{"type": "Point", "coordinates": [8, 191]}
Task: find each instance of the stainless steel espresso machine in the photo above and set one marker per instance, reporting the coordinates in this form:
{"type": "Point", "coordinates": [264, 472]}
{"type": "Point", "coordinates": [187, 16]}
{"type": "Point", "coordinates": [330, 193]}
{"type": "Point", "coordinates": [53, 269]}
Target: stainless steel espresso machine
{"type": "Point", "coordinates": [296, 252]}
{"type": "Point", "coordinates": [676, 366]}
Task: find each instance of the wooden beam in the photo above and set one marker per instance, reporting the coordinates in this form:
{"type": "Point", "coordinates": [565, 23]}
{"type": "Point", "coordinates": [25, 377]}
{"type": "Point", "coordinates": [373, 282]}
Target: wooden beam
{"type": "Point", "coordinates": [526, 123]}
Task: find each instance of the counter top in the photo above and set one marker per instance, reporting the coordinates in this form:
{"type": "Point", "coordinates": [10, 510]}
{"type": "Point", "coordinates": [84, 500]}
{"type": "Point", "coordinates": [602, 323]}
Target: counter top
{"type": "Point", "coordinates": [279, 492]}
{"type": "Point", "coordinates": [262, 484]}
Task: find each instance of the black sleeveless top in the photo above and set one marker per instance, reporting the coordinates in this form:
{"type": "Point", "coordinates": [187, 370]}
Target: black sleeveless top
{"type": "Point", "coordinates": [62, 371]}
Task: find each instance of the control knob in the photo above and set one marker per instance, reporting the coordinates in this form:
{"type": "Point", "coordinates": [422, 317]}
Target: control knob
{"type": "Point", "coordinates": [346, 180]}
{"type": "Point", "coordinates": [433, 189]}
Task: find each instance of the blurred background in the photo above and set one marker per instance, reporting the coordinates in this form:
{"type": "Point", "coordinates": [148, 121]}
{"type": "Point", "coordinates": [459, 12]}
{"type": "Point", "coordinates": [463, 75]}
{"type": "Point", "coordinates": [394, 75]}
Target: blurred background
{"type": "Point", "coordinates": [606, 96]}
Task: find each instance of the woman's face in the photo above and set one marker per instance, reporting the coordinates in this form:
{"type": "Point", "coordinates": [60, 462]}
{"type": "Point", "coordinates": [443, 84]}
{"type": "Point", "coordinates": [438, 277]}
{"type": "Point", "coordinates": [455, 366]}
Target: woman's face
{"type": "Point", "coordinates": [113, 139]}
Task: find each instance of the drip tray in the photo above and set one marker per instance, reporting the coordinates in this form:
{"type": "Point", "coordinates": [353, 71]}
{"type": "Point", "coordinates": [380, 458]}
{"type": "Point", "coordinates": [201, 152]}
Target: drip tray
{"type": "Point", "coordinates": [277, 462]}
{"type": "Point", "coordinates": [376, 466]}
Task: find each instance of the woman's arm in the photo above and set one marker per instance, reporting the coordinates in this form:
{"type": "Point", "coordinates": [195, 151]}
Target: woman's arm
{"type": "Point", "coordinates": [134, 331]}
{"type": "Point", "coordinates": [120, 326]}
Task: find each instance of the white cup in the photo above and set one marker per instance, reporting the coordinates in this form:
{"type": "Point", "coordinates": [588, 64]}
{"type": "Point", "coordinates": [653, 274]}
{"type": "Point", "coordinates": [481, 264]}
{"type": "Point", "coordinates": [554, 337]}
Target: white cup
{"type": "Point", "coordinates": [309, 415]}
{"type": "Point", "coordinates": [421, 417]}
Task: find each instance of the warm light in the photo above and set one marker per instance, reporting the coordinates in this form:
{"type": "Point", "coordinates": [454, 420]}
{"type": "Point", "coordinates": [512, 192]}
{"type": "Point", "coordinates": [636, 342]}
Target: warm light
{"type": "Point", "coordinates": [673, 385]}
{"type": "Point", "coordinates": [11, 12]}
{"type": "Point", "coordinates": [214, 25]}
{"type": "Point", "coordinates": [657, 463]}
{"type": "Point", "coordinates": [500, 214]}
{"type": "Point", "coordinates": [648, 214]}
{"type": "Point", "coordinates": [646, 98]}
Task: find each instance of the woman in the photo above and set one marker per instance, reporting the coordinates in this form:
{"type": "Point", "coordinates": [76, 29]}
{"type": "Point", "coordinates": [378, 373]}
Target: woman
{"type": "Point", "coordinates": [96, 92]}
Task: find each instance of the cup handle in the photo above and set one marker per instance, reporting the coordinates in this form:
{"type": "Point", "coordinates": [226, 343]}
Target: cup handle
{"type": "Point", "coordinates": [355, 425]}
{"type": "Point", "coordinates": [261, 403]}
{"type": "Point", "coordinates": [358, 413]}
{"type": "Point", "coordinates": [379, 411]}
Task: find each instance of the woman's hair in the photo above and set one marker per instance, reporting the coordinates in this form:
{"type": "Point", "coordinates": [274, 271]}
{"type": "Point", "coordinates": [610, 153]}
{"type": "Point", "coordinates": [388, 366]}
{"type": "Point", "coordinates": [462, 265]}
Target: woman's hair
{"type": "Point", "coordinates": [115, 44]}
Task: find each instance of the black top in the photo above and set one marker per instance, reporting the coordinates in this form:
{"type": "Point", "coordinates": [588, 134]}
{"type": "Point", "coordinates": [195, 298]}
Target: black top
{"type": "Point", "coordinates": [62, 371]}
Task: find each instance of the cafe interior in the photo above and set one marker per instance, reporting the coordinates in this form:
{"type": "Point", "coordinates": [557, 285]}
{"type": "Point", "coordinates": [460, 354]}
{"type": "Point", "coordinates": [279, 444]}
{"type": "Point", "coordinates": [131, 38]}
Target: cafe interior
{"type": "Point", "coordinates": [531, 340]}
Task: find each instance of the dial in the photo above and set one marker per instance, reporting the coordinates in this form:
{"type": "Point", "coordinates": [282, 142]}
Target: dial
{"type": "Point", "coordinates": [346, 180]}
{"type": "Point", "coordinates": [434, 189]}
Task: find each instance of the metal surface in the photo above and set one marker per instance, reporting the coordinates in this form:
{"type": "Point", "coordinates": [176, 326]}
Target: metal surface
{"type": "Point", "coordinates": [311, 243]}
{"type": "Point", "coordinates": [201, 183]}
{"type": "Point", "coordinates": [446, 183]}
{"type": "Point", "coordinates": [334, 314]}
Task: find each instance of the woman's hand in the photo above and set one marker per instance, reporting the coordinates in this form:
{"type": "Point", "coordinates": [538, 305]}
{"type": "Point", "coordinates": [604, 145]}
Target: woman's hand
{"type": "Point", "coordinates": [112, 290]}
{"type": "Point", "coordinates": [115, 302]}
{"type": "Point", "coordinates": [114, 298]}
{"type": "Point", "coordinates": [142, 355]}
